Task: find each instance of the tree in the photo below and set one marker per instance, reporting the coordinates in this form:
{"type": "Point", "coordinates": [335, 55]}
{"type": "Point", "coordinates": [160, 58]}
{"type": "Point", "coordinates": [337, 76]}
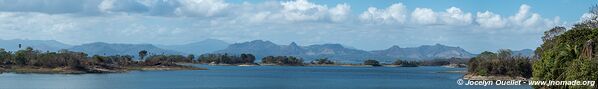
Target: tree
{"type": "Point", "coordinates": [4, 56]}
{"type": "Point", "coordinates": [371, 62]}
{"type": "Point", "coordinates": [142, 54]}
{"type": "Point", "coordinates": [322, 61]}
{"type": "Point", "coordinates": [550, 34]}
{"type": "Point", "coordinates": [404, 63]}
{"type": "Point", "coordinates": [283, 60]}
{"type": "Point", "coordinates": [190, 57]}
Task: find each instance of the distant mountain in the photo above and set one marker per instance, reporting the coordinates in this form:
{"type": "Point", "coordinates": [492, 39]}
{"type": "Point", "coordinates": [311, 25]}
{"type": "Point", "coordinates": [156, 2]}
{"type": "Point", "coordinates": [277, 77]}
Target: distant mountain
{"type": "Point", "coordinates": [524, 52]}
{"type": "Point", "coordinates": [101, 48]}
{"type": "Point", "coordinates": [335, 52]}
{"type": "Point", "coordinates": [201, 47]}
{"type": "Point", "coordinates": [43, 45]}
{"type": "Point", "coordinates": [424, 52]}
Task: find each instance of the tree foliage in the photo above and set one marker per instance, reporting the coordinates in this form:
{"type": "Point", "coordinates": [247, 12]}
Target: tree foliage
{"type": "Point", "coordinates": [502, 63]}
{"type": "Point", "coordinates": [371, 62]}
{"type": "Point", "coordinates": [227, 59]}
{"type": "Point", "coordinates": [282, 60]}
{"type": "Point", "coordinates": [29, 57]}
{"type": "Point", "coordinates": [569, 56]}
{"type": "Point", "coordinates": [405, 63]}
{"type": "Point", "coordinates": [322, 61]}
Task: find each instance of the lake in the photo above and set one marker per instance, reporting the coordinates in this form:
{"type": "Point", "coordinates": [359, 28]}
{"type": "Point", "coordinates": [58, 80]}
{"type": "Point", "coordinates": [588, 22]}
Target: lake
{"type": "Point", "coordinates": [252, 77]}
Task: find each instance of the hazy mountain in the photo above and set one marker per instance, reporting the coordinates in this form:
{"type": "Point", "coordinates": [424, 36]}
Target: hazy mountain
{"type": "Point", "coordinates": [201, 47]}
{"type": "Point", "coordinates": [335, 52]}
{"type": "Point", "coordinates": [43, 45]}
{"type": "Point", "coordinates": [425, 52]}
{"type": "Point", "coordinates": [524, 52]}
{"type": "Point", "coordinates": [101, 48]}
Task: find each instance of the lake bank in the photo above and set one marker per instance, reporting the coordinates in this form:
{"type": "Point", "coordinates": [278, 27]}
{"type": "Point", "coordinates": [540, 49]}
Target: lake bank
{"type": "Point", "coordinates": [95, 69]}
{"type": "Point", "coordinates": [470, 76]}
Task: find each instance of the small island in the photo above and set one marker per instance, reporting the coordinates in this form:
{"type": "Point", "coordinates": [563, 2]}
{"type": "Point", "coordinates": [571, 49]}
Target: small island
{"type": "Point", "coordinates": [499, 66]}
{"type": "Point", "coordinates": [64, 61]}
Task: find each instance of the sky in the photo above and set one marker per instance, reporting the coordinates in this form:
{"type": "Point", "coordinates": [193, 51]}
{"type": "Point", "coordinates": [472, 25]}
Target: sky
{"type": "Point", "coordinates": [475, 25]}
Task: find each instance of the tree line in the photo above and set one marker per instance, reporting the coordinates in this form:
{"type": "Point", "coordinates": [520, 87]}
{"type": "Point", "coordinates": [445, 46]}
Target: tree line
{"type": "Point", "coordinates": [227, 59]}
{"type": "Point", "coordinates": [569, 54]}
{"type": "Point", "coordinates": [29, 57]}
{"type": "Point", "coordinates": [502, 63]}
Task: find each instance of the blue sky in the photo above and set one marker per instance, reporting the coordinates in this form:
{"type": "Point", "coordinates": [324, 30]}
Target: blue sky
{"type": "Point", "coordinates": [474, 25]}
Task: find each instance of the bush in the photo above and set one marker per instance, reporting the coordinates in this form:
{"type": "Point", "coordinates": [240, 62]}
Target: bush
{"type": "Point", "coordinates": [371, 62]}
{"type": "Point", "coordinates": [282, 60]}
{"type": "Point", "coordinates": [322, 61]}
{"type": "Point", "coordinates": [227, 59]}
{"type": "Point", "coordinates": [500, 64]}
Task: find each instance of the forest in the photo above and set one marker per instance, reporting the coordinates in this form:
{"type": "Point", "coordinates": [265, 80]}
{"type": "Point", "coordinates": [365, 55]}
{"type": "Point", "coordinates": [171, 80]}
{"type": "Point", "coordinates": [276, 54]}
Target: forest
{"type": "Point", "coordinates": [29, 60]}
{"type": "Point", "coordinates": [227, 59]}
{"type": "Point", "coordinates": [569, 54]}
{"type": "Point", "coordinates": [566, 54]}
{"type": "Point", "coordinates": [283, 60]}
{"type": "Point", "coordinates": [502, 63]}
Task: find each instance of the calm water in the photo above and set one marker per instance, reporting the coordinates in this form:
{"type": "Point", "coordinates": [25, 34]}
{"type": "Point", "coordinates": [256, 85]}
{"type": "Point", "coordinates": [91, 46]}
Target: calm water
{"type": "Point", "coordinates": [256, 77]}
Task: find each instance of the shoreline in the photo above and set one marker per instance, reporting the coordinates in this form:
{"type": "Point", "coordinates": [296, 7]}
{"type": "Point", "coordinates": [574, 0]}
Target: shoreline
{"type": "Point", "coordinates": [92, 70]}
{"type": "Point", "coordinates": [470, 76]}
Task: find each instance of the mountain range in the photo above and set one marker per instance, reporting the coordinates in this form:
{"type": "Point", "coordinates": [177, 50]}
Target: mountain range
{"type": "Point", "coordinates": [197, 48]}
{"type": "Point", "coordinates": [336, 52]}
{"type": "Point", "coordinates": [260, 48]}
{"type": "Point", "coordinates": [424, 52]}
{"type": "Point", "coordinates": [43, 45]}
{"type": "Point", "coordinates": [101, 48]}
{"type": "Point", "coordinates": [339, 52]}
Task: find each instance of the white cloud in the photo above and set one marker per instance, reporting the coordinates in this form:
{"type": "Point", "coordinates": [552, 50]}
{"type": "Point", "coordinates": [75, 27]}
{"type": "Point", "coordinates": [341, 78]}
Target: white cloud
{"type": "Point", "coordinates": [454, 16]}
{"type": "Point", "coordinates": [490, 20]}
{"type": "Point", "coordinates": [524, 19]}
{"type": "Point", "coordinates": [205, 8]}
{"type": "Point", "coordinates": [587, 16]}
{"type": "Point", "coordinates": [423, 16]}
{"type": "Point", "coordinates": [125, 6]}
{"type": "Point", "coordinates": [302, 10]}
{"type": "Point", "coordinates": [340, 12]}
{"type": "Point", "coordinates": [175, 21]}
{"type": "Point", "coordinates": [396, 13]}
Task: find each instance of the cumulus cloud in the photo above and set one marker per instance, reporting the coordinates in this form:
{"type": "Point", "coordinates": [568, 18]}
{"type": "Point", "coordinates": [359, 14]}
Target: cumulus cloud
{"type": "Point", "coordinates": [488, 19]}
{"type": "Point", "coordinates": [423, 16]}
{"type": "Point", "coordinates": [340, 12]}
{"type": "Point", "coordinates": [172, 21]}
{"type": "Point", "coordinates": [394, 13]}
{"type": "Point", "coordinates": [127, 6]}
{"type": "Point", "coordinates": [302, 10]}
{"type": "Point", "coordinates": [454, 16]}
{"type": "Point", "coordinates": [205, 8]}
{"type": "Point", "coordinates": [523, 19]}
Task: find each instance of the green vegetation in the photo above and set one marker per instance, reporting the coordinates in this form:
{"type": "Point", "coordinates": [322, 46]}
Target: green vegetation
{"type": "Point", "coordinates": [64, 61]}
{"type": "Point", "coordinates": [404, 63]}
{"type": "Point", "coordinates": [283, 60]}
{"type": "Point", "coordinates": [502, 63]}
{"type": "Point", "coordinates": [569, 54]}
{"type": "Point", "coordinates": [227, 59]}
{"type": "Point", "coordinates": [444, 61]}
{"type": "Point", "coordinates": [371, 62]}
{"type": "Point", "coordinates": [322, 61]}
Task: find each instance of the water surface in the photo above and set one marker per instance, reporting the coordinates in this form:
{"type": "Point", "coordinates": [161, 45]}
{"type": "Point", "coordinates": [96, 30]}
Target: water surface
{"type": "Point", "coordinates": [254, 77]}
